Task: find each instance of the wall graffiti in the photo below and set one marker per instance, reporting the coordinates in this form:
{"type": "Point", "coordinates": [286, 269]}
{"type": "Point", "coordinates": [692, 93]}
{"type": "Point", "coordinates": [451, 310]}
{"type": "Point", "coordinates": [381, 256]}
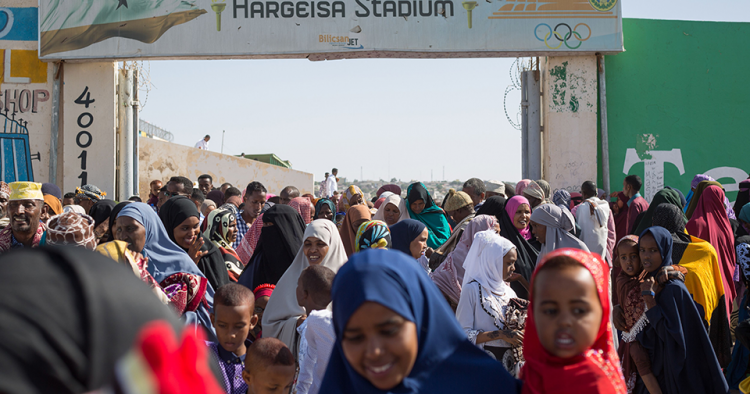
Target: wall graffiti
{"type": "Point", "coordinates": [15, 149]}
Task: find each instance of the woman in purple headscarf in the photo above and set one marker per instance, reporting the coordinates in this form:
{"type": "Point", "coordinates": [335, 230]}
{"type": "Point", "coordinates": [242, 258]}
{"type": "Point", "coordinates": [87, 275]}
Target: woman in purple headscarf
{"type": "Point", "coordinates": [694, 184]}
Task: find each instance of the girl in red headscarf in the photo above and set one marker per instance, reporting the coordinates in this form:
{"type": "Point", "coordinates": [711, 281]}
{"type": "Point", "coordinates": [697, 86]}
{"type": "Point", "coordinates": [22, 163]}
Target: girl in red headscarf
{"type": "Point", "coordinates": [568, 343]}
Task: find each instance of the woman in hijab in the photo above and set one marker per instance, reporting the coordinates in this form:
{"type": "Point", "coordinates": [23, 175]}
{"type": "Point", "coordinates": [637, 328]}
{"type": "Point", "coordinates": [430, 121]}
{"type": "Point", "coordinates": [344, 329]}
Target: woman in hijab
{"type": "Point", "coordinates": [519, 210]}
{"type": "Point", "coordinates": [536, 195]}
{"type": "Point", "coordinates": [101, 212]}
{"type": "Point", "coordinates": [182, 221]}
{"type": "Point", "coordinates": [392, 210]}
{"type": "Point", "coordinates": [699, 192]}
{"type": "Point", "coordinates": [664, 196]}
{"type": "Point", "coordinates": [354, 218]}
{"type": "Point", "coordinates": [421, 207]}
{"type": "Point", "coordinates": [322, 246]}
{"type": "Point", "coordinates": [551, 226]}
{"type": "Point", "coordinates": [325, 209]}
{"type": "Point", "coordinates": [709, 222]}
{"type": "Point", "coordinates": [109, 236]}
{"type": "Point", "coordinates": [279, 242]}
{"type": "Point", "coordinates": [546, 188]}
{"type": "Point", "coordinates": [410, 237]}
{"type": "Point", "coordinates": [737, 370]}
{"type": "Point", "coordinates": [449, 276]}
{"type": "Point", "coordinates": [380, 286]}
{"type": "Point", "coordinates": [186, 286]}
{"type": "Point", "coordinates": [620, 210]}
{"type": "Point", "coordinates": [704, 280]}
{"type": "Point", "coordinates": [595, 370]}
{"type": "Point", "coordinates": [74, 315]}
{"type": "Point", "coordinates": [485, 311]}
{"type": "Point", "coordinates": [743, 196]}
{"type": "Point", "coordinates": [119, 252]}
{"type": "Point", "coordinates": [683, 201]}
{"type": "Point", "coordinates": [51, 207]}
{"type": "Point", "coordinates": [682, 358]}
{"type": "Point", "coordinates": [304, 207]}
{"type": "Point", "coordinates": [527, 254]}
{"type": "Point", "coordinates": [373, 235]}
{"type": "Point", "coordinates": [221, 231]}
{"type": "Point", "coordinates": [352, 196]}
{"type": "Point", "coordinates": [521, 186]}
{"type": "Point", "coordinates": [395, 189]}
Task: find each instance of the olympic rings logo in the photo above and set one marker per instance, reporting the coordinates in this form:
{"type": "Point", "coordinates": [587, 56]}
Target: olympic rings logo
{"type": "Point", "coordinates": [562, 38]}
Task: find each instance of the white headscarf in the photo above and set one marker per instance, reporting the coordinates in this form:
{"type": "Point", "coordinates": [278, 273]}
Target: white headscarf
{"type": "Point", "coordinates": [484, 263]}
{"type": "Point", "coordinates": [398, 202]}
{"type": "Point", "coordinates": [74, 208]}
{"type": "Point", "coordinates": [282, 311]}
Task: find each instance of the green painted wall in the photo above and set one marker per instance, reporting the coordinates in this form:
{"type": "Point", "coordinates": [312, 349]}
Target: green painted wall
{"type": "Point", "coordinates": [681, 94]}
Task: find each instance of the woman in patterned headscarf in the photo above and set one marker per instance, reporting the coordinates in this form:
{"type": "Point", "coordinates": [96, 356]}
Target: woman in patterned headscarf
{"type": "Point", "coordinates": [373, 234]}
{"type": "Point", "coordinates": [304, 207]}
{"type": "Point", "coordinates": [535, 194]}
{"type": "Point", "coordinates": [352, 196]}
{"type": "Point", "coordinates": [221, 230]}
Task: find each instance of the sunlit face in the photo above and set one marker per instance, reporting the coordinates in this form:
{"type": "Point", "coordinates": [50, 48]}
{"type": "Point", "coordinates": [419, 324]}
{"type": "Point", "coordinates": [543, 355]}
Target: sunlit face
{"type": "Point", "coordinates": [3, 204]}
{"type": "Point", "coordinates": [254, 203]}
{"type": "Point", "coordinates": [380, 345]}
{"type": "Point", "coordinates": [417, 206]}
{"type": "Point", "coordinates": [461, 213]}
{"type": "Point", "coordinates": [391, 214]}
{"type": "Point", "coordinates": [567, 311]}
{"type": "Point", "coordinates": [356, 200]}
{"type": "Point", "coordinates": [475, 199]}
{"type": "Point", "coordinates": [419, 244]}
{"type": "Point", "coordinates": [649, 253]}
{"type": "Point", "coordinates": [46, 213]}
{"type": "Point", "coordinates": [232, 232]}
{"type": "Point", "coordinates": [155, 187]}
{"type": "Point", "coordinates": [131, 231]}
{"type": "Point", "coordinates": [163, 197]}
{"type": "Point", "coordinates": [71, 201]}
{"type": "Point", "coordinates": [232, 324]}
{"type": "Point", "coordinates": [186, 232]}
{"type": "Point", "coordinates": [540, 232]}
{"type": "Point", "coordinates": [205, 186]}
{"type": "Point", "coordinates": [497, 228]}
{"type": "Point", "coordinates": [630, 260]}
{"type": "Point", "coordinates": [285, 198]}
{"type": "Point", "coordinates": [315, 250]}
{"type": "Point", "coordinates": [177, 189]}
{"type": "Point", "coordinates": [522, 217]}
{"type": "Point", "coordinates": [86, 203]}
{"type": "Point", "coordinates": [100, 232]}
{"type": "Point", "coordinates": [24, 215]}
{"type": "Point", "coordinates": [325, 212]}
{"type": "Point", "coordinates": [509, 263]}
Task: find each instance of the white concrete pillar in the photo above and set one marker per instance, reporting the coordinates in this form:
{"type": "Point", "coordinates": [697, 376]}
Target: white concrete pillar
{"type": "Point", "coordinates": [570, 121]}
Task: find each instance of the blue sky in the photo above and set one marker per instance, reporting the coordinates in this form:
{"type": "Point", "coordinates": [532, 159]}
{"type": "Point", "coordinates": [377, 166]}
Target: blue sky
{"type": "Point", "coordinates": [383, 118]}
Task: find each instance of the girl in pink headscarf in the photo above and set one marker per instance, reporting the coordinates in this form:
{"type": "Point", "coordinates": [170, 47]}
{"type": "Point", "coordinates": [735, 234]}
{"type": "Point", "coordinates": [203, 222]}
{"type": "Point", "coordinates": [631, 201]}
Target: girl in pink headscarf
{"type": "Point", "coordinates": [519, 211]}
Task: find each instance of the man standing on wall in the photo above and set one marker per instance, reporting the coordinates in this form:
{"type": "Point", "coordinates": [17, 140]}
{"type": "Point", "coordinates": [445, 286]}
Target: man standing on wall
{"type": "Point", "coordinates": [203, 144]}
{"type": "Point", "coordinates": [332, 183]}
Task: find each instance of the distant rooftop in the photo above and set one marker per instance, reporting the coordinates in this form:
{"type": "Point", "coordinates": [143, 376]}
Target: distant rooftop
{"type": "Point", "coordinates": [269, 158]}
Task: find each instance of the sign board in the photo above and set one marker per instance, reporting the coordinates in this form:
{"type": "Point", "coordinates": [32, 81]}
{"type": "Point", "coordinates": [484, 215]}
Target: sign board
{"type": "Point", "coordinates": [326, 29]}
{"type": "Point", "coordinates": [89, 143]}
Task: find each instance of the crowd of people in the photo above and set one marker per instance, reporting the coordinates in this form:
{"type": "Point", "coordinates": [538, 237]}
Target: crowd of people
{"type": "Point", "coordinates": [499, 288]}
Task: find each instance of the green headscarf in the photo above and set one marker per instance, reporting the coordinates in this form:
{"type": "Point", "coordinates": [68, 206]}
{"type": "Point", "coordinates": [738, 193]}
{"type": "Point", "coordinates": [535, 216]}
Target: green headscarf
{"type": "Point", "coordinates": [432, 216]}
{"type": "Point", "coordinates": [664, 196]}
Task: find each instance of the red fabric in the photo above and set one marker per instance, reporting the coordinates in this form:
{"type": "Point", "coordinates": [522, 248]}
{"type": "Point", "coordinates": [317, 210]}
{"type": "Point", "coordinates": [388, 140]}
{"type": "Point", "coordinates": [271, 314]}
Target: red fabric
{"type": "Point", "coordinates": [710, 223]}
{"type": "Point", "coordinates": [6, 235]}
{"type": "Point", "coordinates": [263, 290]}
{"type": "Point", "coordinates": [185, 291]}
{"type": "Point", "coordinates": [175, 367]}
{"type": "Point", "coordinates": [250, 241]}
{"type": "Point", "coordinates": [595, 371]}
{"type": "Point", "coordinates": [621, 219]}
{"type": "Point", "coordinates": [636, 207]}
{"type": "Point", "coordinates": [304, 207]}
{"type": "Point", "coordinates": [379, 202]}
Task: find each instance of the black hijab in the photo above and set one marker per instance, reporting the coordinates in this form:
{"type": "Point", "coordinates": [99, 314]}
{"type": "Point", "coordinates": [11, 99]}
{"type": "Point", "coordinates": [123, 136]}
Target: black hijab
{"type": "Point", "coordinates": [67, 315]}
{"type": "Point", "coordinates": [112, 217]}
{"type": "Point", "coordinates": [174, 212]}
{"type": "Point", "coordinates": [527, 254]}
{"type": "Point", "coordinates": [671, 217]}
{"type": "Point", "coordinates": [101, 211]}
{"type": "Point", "coordinates": [277, 246]}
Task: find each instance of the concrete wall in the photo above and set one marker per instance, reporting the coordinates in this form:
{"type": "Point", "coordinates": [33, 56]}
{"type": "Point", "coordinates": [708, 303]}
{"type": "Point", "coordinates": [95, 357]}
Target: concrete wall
{"type": "Point", "coordinates": [26, 88]}
{"type": "Point", "coordinates": [162, 160]}
{"type": "Point", "coordinates": [569, 113]}
{"type": "Point", "coordinates": [677, 104]}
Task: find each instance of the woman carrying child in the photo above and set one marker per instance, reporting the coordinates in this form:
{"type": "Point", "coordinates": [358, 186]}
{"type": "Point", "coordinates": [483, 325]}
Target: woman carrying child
{"type": "Point", "coordinates": [489, 311]}
{"type": "Point", "coordinates": [321, 245]}
{"type": "Point", "coordinates": [682, 358]}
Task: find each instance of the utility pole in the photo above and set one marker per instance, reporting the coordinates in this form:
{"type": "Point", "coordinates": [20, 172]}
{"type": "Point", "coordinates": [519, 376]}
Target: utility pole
{"type": "Point", "coordinates": [222, 141]}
